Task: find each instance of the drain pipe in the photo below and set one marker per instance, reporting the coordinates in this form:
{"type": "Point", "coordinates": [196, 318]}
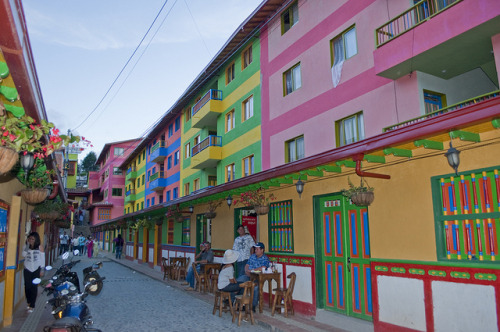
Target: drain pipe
{"type": "Point", "coordinates": [358, 158]}
{"type": "Point", "coordinates": [55, 189]}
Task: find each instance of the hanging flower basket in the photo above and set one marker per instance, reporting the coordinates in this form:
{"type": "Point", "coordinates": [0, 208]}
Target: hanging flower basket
{"type": "Point", "coordinates": [8, 158]}
{"type": "Point", "coordinates": [35, 195]}
{"type": "Point", "coordinates": [49, 216]}
{"type": "Point", "coordinates": [210, 215]}
{"type": "Point", "coordinates": [363, 198]}
{"type": "Point", "coordinates": [261, 209]}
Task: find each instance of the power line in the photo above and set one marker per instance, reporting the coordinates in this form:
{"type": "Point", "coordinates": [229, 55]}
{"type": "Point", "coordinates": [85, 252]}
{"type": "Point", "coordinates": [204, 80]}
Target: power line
{"type": "Point", "coordinates": [123, 68]}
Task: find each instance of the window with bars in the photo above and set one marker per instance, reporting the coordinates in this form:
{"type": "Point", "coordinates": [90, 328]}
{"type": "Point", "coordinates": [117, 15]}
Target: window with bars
{"type": "Point", "coordinates": [467, 215]}
{"type": "Point", "coordinates": [281, 227]}
{"type": "Point", "coordinates": [104, 214]}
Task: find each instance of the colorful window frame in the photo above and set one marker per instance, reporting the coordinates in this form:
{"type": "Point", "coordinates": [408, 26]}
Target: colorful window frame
{"type": "Point", "coordinates": [292, 79]}
{"type": "Point", "coordinates": [289, 17]}
{"type": "Point", "coordinates": [230, 74]}
{"type": "Point", "coordinates": [280, 218]}
{"type": "Point", "coordinates": [467, 216]}
{"type": "Point", "coordinates": [104, 213]}
{"type": "Point", "coordinates": [246, 57]}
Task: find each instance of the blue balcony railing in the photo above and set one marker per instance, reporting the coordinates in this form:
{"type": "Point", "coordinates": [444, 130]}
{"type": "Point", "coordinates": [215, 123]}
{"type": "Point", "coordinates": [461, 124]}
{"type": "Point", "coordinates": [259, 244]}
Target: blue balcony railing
{"type": "Point", "coordinates": [211, 140]}
{"type": "Point", "coordinates": [210, 95]}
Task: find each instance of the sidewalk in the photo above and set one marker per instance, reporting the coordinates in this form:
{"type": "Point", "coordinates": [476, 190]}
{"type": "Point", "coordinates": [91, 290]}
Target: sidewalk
{"type": "Point", "coordinates": [324, 321]}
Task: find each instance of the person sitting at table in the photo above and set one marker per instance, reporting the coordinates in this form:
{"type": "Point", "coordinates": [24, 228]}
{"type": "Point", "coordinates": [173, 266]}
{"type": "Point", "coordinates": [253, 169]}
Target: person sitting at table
{"type": "Point", "coordinates": [204, 256]}
{"type": "Point", "coordinates": [242, 244]}
{"type": "Point", "coordinates": [226, 281]}
{"type": "Point", "coordinates": [257, 262]}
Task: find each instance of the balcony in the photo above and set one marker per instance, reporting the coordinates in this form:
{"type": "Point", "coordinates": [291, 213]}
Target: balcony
{"type": "Point", "coordinates": [444, 41]}
{"type": "Point", "coordinates": [157, 181]}
{"type": "Point", "coordinates": [131, 174]}
{"type": "Point", "coordinates": [444, 110]}
{"type": "Point", "coordinates": [208, 153]}
{"type": "Point", "coordinates": [130, 196]}
{"type": "Point", "coordinates": [158, 152]}
{"type": "Point", "coordinates": [205, 112]}
{"type": "Point", "coordinates": [419, 13]}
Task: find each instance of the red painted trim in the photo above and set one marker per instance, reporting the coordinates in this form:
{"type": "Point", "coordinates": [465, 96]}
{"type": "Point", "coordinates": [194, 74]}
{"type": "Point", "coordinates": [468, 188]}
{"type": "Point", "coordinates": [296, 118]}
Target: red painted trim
{"type": "Point", "coordinates": [427, 280]}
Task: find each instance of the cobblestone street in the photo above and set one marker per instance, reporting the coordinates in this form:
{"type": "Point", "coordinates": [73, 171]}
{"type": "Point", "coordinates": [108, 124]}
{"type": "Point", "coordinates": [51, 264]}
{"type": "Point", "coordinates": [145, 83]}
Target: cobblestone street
{"type": "Point", "coordinates": [131, 301]}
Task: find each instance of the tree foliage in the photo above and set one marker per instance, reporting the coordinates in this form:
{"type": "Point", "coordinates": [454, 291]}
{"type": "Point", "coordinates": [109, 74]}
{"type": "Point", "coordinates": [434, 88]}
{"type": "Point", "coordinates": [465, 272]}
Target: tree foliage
{"type": "Point", "coordinates": [88, 163]}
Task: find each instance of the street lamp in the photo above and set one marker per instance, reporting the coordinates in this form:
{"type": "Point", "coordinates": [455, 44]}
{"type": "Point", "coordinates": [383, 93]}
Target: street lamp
{"type": "Point", "coordinates": [27, 162]}
{"type": "Point", "coordinates": [299, 185]}
{"type": "Point", "coordinates": [229, 200]}
{"type": "Point", "coordinates": [453, 158]}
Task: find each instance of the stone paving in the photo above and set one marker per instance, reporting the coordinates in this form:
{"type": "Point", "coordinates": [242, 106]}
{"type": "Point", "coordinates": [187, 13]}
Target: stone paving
{"type": "Point", "coordinates": [135, 297]}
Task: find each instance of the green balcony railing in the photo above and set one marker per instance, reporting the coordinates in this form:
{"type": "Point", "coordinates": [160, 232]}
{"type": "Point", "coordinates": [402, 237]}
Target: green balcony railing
{"type": "Point", "coordinates": [419, 13]}
{"type": "Point", "coordinates": [159, 144]}
{"type": "Point", "coordinates": [156, 176]}
{"type": "Point", "coordinates": [450, 108]}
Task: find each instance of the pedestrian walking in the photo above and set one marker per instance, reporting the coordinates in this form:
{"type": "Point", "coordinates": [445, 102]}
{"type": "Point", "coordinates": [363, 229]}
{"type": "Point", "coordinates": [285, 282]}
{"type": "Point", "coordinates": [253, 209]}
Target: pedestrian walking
{"type": "Point", "coordinates": [34, 265]}
{"type": "Point", "coordinates": [118, 246]}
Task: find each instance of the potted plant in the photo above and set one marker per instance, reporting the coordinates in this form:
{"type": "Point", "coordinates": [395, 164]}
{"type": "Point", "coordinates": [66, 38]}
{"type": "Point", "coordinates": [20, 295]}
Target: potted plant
{"type": "Point", "coordinates": [23, 134]}
{"type": "Point", "coordinates": [212, 206]}
{"type": "Point", "coordinates": [38, 182]}
{"type": "Point", "coordinates": [174, 212]}
{"type": "Point", "coordinates": [359, 196]}
{"type": "Point", "coordinates": [257, 199]}
{"type": "Point", "coordinates": [50, 210]}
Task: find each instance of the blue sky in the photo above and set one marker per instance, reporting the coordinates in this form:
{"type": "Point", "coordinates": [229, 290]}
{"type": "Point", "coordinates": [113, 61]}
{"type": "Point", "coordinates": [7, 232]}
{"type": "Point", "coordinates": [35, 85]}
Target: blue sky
{"type": "Point", "coordinates": [80, 47]}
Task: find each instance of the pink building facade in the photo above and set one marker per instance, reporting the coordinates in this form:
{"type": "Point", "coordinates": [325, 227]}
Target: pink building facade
{"type": "Point", "coordinates": [108, 184]}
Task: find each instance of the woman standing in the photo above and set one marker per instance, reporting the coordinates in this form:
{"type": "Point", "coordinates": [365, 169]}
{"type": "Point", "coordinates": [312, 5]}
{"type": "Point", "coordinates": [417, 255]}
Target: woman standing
{"type": "Point", "coordinates": [90, 245]}
{"type": "Point", "coordinates": [34, 264]}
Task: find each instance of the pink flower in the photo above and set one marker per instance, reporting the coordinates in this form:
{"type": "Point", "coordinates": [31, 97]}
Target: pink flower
{"type": "Point", "coordinates": [12, 137]}
{"type": "Point", "coordinates": [5, 133]}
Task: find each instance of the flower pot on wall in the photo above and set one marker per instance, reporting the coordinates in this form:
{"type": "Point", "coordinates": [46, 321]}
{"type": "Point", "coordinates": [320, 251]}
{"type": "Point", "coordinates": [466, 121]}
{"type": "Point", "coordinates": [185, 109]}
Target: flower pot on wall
{"type": "Point", "coordinates": [34, 196]}
{"type": "Point", "coordinates": [210, 215]}
{"type": "Point", "coordinates": [49, 216]}
{"type": "Point", "coordinates": [363, 198]}
{"type": "Point", "coordinates": [8, 158]}
{"type": "Point", "coordinates": [261, 209]}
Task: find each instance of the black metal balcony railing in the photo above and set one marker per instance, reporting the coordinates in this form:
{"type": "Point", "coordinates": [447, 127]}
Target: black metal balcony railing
{"type": "Point", "coordinates": [159, 144]}
{"type": "Point", "coordinates": [211, 140]}
{"type": "Point", "coordinates": [450, 108]}
{"type": "Point", "coordinates": [420, 12]}
{"type": "Point", "coordinates": [210, 95]}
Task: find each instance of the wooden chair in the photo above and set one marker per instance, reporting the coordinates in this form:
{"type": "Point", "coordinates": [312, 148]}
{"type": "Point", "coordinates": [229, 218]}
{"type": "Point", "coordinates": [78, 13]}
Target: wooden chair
{"type": "Point", "coordinates": [219, 298]}
{"type": "Point", "coordinates": [201, 282]}
{"type": "Point", "coordinates": [182, 269]}
{"type": "Point", "coordinates": [174, 267]}
{"type": "Point", "coordinates": [244, 300]}
{"type": "Point", "coordinates": [285, 295]}
{"type": "Point", "coordinates": [167, 269]}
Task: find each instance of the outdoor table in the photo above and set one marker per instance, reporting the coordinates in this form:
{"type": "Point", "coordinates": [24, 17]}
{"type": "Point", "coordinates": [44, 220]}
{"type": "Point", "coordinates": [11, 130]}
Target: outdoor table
{"type": "Point", "coordinates": [262, 278]}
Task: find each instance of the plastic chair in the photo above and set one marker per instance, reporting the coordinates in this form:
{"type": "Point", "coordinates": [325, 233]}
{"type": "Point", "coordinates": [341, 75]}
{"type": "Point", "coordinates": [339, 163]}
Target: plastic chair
{"type": "Point", "coordinates": [244, 300]}
{"type": "Point", "coordinates": [283, 297]}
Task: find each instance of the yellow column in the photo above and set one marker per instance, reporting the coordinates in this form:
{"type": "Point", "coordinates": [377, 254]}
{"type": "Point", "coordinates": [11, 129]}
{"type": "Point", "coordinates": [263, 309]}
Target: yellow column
{"type": "Point", "coordinates": [10, 260]}
{"type": "Point", "coordinates": [145, 249]}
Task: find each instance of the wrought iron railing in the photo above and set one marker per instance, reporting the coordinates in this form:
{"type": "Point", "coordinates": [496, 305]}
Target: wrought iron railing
{"type": "Point", "coordinates": [156, 175]}
{"type": "Point", "coordinates": [420, 12]}
{"type": "Point", "coordinates": [210, 95]}
{"type": "Point", "coordinates": [159, 144]}
{"type": "Point", "coordinates": [211, 140]}
{"type": "Point", "coordinates": [447, 109]}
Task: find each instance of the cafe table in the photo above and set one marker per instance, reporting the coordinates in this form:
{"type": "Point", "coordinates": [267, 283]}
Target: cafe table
{"type": "Point", "coordinates": [262, 277]}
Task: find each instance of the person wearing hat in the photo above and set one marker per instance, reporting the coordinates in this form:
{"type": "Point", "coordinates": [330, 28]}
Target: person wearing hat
{"type": "Point", "coordinates": [257, 262]}
{"type": "Point", "coordinates": [226, 281]}
{"type": "Point", "coordinates": [242, 244]}
{"type": "Point", "coordinates": [204, 256]}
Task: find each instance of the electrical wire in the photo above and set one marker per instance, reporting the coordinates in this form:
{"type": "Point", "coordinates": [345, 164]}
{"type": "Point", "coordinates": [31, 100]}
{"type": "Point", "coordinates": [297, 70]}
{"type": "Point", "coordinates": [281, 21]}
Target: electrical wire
{"type": "Point", "coordinates": [123, 68]}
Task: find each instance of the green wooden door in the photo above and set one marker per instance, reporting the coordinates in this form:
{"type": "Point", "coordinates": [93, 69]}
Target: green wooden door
{"type": "Point", "coordinates": [343, 254]}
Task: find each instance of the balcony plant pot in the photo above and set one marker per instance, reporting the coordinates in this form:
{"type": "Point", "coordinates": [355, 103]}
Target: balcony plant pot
{"type": "Point", "coordinates": [364, 198]}
{"type": "Point", "coordinates": [261, 209]}
{"type": "Point", "coordinates": [35, 195]}
{"type": "Point", "coordinates": [210, 215]}
{"type": "Point", "coordinates": [8, 158]}
{"type": "Point", "coordinates": [49, 216]}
